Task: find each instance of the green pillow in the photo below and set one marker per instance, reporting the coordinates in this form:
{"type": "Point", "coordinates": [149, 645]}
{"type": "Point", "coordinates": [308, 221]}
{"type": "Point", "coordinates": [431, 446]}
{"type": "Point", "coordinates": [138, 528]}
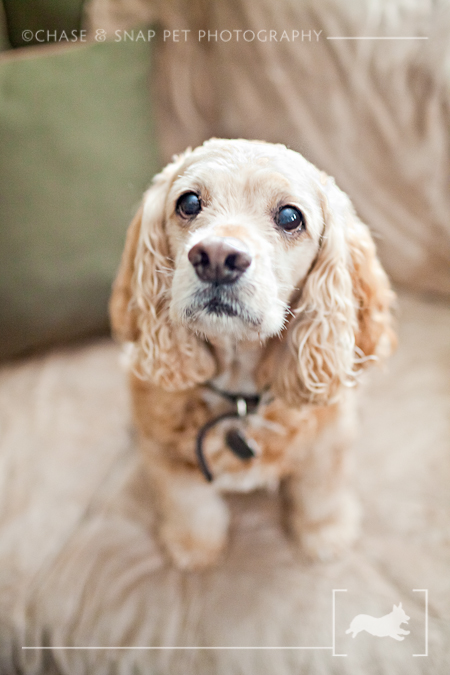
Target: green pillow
{"type": "Point", "coordinates": [4, 42]}
{"type": "Point", "coordinates": [77, 151]}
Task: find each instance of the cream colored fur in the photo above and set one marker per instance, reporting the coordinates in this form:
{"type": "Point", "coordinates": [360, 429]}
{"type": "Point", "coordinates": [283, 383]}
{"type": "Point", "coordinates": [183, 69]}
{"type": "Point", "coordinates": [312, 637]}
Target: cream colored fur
{"type": "Point", "coordinates": [312, 308]}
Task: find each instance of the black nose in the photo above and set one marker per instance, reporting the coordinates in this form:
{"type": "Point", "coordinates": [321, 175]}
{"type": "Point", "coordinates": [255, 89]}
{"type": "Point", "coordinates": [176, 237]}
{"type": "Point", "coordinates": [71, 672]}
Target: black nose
{"type": "Point", "coordinates": [220, 259]}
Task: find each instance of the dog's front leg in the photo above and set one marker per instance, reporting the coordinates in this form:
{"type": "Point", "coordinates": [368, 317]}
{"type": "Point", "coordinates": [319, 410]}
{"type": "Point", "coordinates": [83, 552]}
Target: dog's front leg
{"type": "Point", "coordinates": [323, 514]}
{"type": "Point", "coordinates": [193, 517]}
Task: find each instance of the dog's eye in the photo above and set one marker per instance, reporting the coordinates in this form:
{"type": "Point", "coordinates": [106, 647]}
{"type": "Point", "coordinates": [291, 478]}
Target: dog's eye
{"type": "Point", "coordinates": [290, 218]}
{"type": "Point", "coordinates": [189, 205]}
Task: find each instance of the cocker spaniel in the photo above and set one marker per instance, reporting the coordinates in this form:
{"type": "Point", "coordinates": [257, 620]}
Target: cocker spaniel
{"type": "Point", "coordinates": [250, 296]}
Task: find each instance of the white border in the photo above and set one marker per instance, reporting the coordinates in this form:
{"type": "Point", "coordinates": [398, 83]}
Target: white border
{"type": "Point", "coordinates": [424, 590]}
{"type": "Point", "coordinates": [332, 648]}
{"type": "Point", "coordinates": [256, 648]}
{"type": "Point", "coordinates": [378, 37]}
{"type": "Point", "coordinates": [336, 590]}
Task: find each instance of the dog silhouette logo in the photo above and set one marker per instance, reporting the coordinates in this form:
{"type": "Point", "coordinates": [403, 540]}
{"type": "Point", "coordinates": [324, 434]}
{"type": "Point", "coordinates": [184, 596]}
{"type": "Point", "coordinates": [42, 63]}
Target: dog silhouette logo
{"type": "Point", "coordinates": [385, 626]}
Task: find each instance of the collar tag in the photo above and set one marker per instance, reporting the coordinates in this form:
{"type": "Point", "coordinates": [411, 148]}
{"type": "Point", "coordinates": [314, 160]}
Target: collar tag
{"type": "Point", "coordinates": [238, 444]}
{"type": "Point", "coordinates": [235, 440]}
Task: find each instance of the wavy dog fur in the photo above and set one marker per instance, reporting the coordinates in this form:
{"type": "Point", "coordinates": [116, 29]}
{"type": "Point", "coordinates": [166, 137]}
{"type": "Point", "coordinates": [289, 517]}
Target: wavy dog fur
{"type": "Point", "coordinates": [342, 319]}
{"type": "Point", "coordinates": [168, 356]}
{"type": "Point", "coordinates": [323, 302]}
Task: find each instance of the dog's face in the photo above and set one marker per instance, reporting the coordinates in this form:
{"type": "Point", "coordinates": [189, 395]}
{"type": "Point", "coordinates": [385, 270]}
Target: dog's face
{"type": "Point", "coordinates": [248, 240]}
{"type": "Point", "coordinates": [243, 222]}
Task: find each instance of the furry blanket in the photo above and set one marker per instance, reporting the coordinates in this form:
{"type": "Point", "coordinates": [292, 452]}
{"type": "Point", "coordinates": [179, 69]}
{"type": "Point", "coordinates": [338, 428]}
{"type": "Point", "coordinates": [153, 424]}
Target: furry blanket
{"type": "Point", "coordinates": [80, 566]}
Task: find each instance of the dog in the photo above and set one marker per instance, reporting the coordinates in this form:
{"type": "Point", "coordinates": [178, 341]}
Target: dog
{"type": "Point", "coordinates": [385, 626]}
{"type": "Point", "coordinates": [249, 297]}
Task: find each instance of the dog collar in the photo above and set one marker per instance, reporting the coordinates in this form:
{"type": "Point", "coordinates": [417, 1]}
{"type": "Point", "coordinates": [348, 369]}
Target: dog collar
{"type": "Point", "coordinates": [243, 405]}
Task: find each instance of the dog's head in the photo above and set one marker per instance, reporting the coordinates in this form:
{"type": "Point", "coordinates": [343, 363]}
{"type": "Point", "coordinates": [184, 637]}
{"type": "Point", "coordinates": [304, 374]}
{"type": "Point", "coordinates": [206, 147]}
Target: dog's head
{"type": "Point", "coordinates": [249, 241]}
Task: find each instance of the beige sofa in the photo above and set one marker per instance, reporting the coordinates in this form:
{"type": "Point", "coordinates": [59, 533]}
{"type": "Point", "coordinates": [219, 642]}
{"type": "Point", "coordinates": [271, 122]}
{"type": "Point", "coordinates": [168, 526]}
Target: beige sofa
{"type": "Point", "coordinates": [81, 572]}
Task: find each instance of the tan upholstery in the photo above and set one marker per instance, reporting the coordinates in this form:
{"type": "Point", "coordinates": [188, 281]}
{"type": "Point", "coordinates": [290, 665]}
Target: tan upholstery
{"type": "Point", "coordinates": [374, 114]}
{"type": "Point", "coordinates": [80, 565]}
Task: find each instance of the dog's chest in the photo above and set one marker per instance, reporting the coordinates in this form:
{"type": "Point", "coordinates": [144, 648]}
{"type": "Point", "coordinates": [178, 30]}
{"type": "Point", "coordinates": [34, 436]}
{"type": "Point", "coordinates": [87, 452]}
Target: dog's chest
{"type": "Point", "coordinates": [282, 436]}
{"type": "Point", "coordinates": [238, 368]}
{"type": "Point", "coordinates": [279, 436]}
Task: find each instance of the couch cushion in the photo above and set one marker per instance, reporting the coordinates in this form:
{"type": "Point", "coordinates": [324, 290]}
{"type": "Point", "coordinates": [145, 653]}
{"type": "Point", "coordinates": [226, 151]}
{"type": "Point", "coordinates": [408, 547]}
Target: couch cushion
{"type": "Point", "coordinates": [77, 152]}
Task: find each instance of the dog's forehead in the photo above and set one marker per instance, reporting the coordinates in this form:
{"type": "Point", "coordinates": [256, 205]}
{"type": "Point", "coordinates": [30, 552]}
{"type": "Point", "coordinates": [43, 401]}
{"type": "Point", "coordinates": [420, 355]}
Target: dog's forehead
{"type": "Point", "coordinates": [237, 166]}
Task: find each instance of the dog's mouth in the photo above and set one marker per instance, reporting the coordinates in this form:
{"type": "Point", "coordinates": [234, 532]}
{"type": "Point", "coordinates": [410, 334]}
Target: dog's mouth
{"type": "Point", "coordinates": [220, 308]}
{"type": "Point", "coordinates": [218, 302]}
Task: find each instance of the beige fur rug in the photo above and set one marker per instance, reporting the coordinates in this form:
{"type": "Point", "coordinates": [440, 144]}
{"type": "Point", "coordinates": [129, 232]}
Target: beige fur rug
{"type": "Point", "coordinates": [80, 567]}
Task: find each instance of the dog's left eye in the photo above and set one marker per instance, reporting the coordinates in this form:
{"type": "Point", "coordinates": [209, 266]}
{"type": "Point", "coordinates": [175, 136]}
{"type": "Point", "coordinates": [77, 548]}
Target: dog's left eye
{"type": "Point", "coordinates": [189, 205]}
{"type": "Point", "coordinates": [290, 218]}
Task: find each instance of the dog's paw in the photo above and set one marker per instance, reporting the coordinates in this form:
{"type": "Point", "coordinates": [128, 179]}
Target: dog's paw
{"type": "Point", "coordinates": [326, 542]}
{"type": "Point", "coordinates": [190, 552]}
{"type": "Point", "coordinates": [329, 539]}
{"type": "Point", "coordinates": [197, 542]}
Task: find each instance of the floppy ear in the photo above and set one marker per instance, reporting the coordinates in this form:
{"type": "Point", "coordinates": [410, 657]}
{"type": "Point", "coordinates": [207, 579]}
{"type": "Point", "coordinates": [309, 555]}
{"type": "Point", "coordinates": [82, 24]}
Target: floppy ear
{"type": "Point", "coordinates": [121, 311]}
{"type": "Point", "coordinates": [342, 319]}
{"type": "Point", "coordinates": [165, 354]}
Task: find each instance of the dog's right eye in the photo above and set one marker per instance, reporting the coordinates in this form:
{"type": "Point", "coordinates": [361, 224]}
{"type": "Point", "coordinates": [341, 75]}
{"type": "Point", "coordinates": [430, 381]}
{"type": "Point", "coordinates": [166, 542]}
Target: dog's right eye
{"type": "Point", "coordinates": [189, 205]}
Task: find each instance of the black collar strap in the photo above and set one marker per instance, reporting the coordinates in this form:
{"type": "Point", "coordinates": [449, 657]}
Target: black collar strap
{"type": "Point", "coordinates": [244, 405]}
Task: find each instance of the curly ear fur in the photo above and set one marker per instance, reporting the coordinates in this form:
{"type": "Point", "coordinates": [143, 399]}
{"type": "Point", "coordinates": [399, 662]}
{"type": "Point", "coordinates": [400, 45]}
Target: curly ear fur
{"type": "Point", "coordinates": [342, 319]}
{"type": "Point", "coordinates": [122, 313]}
{"type": "Point", "coordinates": [167, 355]}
